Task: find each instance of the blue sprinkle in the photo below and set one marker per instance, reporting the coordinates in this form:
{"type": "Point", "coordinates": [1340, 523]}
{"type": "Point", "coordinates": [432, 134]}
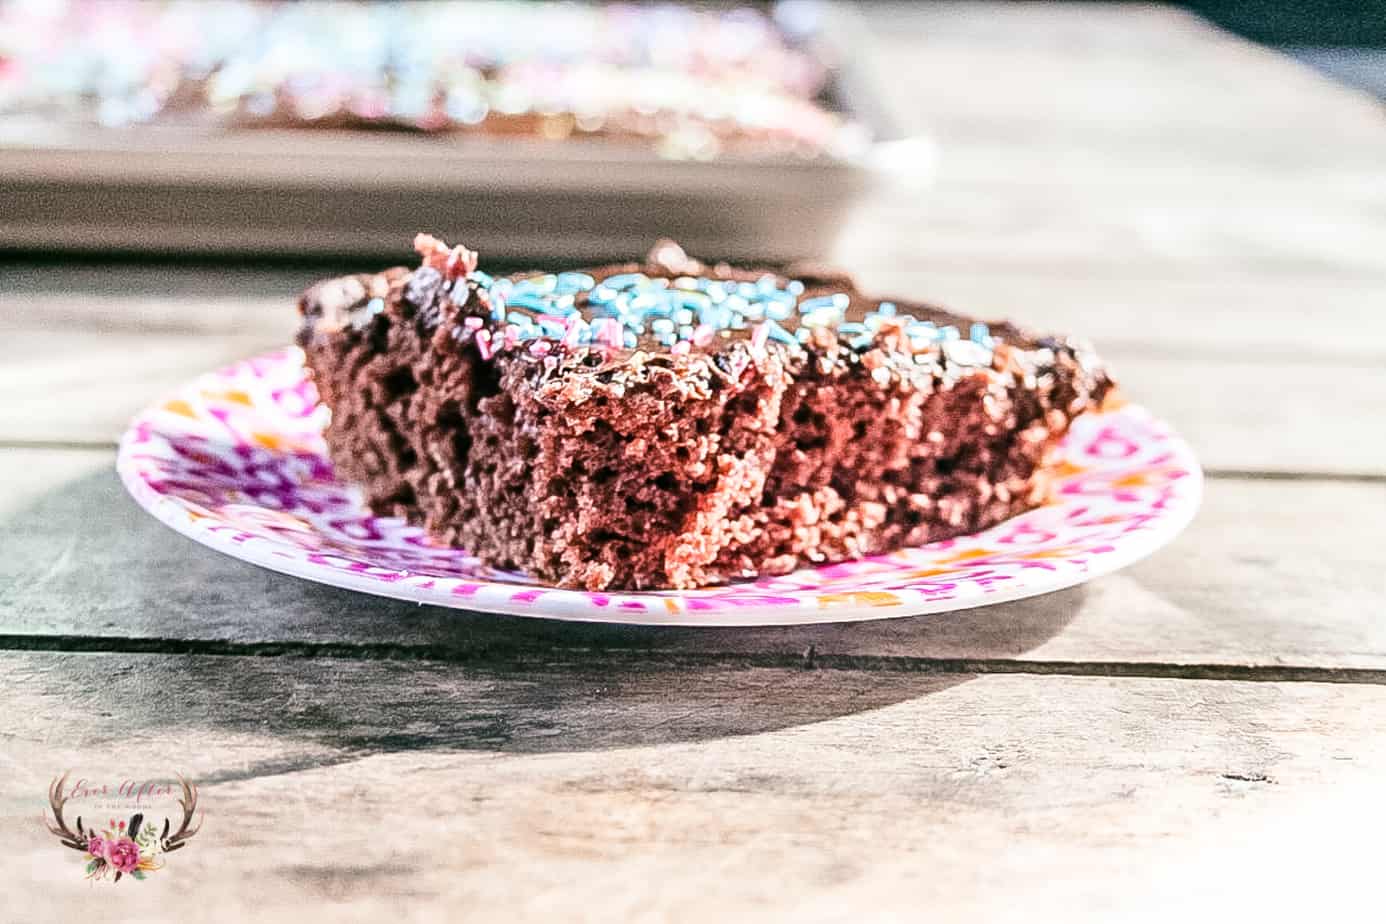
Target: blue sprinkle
{"type": "Point", "coordinates": [573, 283]}
{"type": "Point", "coordinates": [822, 317]}
{"type": "Point", "coordinates": [662, 326]}
{"type": "Point", "coordinates": [521, 299]}
{"type": "Point", "coordinates": [624, 280]}
{"type": "Point", "coordinates": [852, 327]}
{"type": "Point", "coordinates": [776, 332]}
{"type": "Point", "coordinates": [886, 308]}
{"type": "Point", "coordinates": [950, 333]}
{"type": "Point", "coordinates": [715, 315]}
{"type": "Point", "coordinates": [537, 285]}
{"type": "Point", "coordinates": [863, 341]}
{"type": "Point", "coordinates": [694, 300]}
{"type": "Point", "coordinates": [362, 319]}
{"type": "Point", "coordinates": [922, 330]}
{"type": "Point", "coordinates": [837, 302]}
{"type": "Point", "coordinates": [641, 302]}
{"type": "Point", "coordinates": [981, 335]}
{"type": "Point", "coordinates": [795, 287]}
{"type": "Point", "coordinates": [780, 311]}
{"type": "Point", "coordinates": [601, 295]}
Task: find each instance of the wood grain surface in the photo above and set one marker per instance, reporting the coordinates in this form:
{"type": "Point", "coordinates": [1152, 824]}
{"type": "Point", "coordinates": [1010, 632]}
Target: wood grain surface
{"type": "Point", "coordinates": [414, 791]}
{"type": "Point", "coordinates": [1199, 735]}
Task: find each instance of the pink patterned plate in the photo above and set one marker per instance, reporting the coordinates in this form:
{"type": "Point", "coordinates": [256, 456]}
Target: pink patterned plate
{"type": "Point", "coordinates": [236, 460]}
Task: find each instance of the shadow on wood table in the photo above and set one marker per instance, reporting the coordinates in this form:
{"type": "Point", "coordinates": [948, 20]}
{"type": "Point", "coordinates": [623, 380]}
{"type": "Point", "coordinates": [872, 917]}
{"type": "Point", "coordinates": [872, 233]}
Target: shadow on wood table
{"type": "Point", "coordinates": [208, 643]}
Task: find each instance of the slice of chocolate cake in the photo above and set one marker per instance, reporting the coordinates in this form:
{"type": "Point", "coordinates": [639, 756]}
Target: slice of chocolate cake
{"type": "Point", "coordinates": [672, 424]}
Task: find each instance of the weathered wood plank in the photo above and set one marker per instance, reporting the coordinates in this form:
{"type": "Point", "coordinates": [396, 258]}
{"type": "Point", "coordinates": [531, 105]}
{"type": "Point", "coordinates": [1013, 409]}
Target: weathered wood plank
{"type": "Point", "coordinates": [60, 386]}
{"type": "Point", "coordinates": [1242, 413]}
{"type": "Point", "coordinates": [1100, 75]}
{"type": "Point", "coordinates": [415, 790]}
{"type": "Point", "coordinates": [1081, 141]}
{"type": "Point", "coordinates": [1270, 573]}
{"type": "Point", "coordinates": [1128, 233]}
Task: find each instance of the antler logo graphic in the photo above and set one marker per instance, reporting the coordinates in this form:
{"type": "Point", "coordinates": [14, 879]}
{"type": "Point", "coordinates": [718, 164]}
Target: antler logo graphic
{"type": "Point", "coordinates": [125, 848]}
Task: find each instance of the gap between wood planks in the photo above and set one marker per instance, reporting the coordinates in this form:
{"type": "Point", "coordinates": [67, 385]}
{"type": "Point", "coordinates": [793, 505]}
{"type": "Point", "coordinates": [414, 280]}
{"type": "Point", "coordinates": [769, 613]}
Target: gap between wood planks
{"type": "Point", "coordinates": [502, 658]}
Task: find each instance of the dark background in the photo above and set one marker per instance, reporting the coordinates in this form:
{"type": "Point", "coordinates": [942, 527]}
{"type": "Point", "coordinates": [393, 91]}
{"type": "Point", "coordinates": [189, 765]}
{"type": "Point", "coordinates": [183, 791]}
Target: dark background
{"type": "Point", "coordinates": [1343, 39]}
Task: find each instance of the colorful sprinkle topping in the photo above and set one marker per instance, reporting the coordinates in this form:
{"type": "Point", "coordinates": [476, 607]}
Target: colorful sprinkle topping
{"type": "Point", "coordinates": [693, 311]}
{"type": "Point", "coordinates": [628, 306]}
{"type": "Point", "coordinates": [574, 309]}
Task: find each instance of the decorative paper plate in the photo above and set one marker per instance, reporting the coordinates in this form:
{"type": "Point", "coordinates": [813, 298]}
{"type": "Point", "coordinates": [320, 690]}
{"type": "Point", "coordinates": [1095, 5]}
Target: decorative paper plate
{"type": "Point", "coordinates": [236, 460]}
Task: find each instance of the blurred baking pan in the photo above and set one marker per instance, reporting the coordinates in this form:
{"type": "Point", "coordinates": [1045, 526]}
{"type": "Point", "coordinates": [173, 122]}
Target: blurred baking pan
{"type": "Point", "coordinates": [185, 189]}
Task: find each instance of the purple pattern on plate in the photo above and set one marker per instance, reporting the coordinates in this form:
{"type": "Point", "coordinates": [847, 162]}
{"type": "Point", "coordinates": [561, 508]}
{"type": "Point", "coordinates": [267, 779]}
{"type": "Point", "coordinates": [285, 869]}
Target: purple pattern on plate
{"type": "Point", "coordinates": [236, 460]}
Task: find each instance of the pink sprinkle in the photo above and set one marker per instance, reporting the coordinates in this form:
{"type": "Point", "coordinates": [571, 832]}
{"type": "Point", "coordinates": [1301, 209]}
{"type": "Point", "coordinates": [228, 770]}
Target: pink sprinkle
{"type": "Point", "coordinates": [512, 335]}
{"type": "Point", "coordinates": [681, 348]}
{"type": "Point", "coordinates": [553, 318]}
{"type": "Point", "coordinates": [573, 334]}
{"type": "Point", "coordinates": [426, 245]}
{"type": "Point", "coordinates": [460, 261]}
{"type": "Point", "coordinates": [540, 347]}
{"type": "Point", "coordinates": [607, 331]}
{"type": "Point", "coordinates": [702, 334]}
{"type": "Point", "coordinates": [452, 262]}
{"type": "Point", "coordinates": [760, 335]}
{"type": "Point", "coordinates": [472, 323]}
{"type": "Point", "coordinates": [483, 344]}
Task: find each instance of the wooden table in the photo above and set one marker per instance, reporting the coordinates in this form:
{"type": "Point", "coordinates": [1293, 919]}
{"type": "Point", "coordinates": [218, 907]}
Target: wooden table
{"type": "Point", "coordinates": [1204, 733]}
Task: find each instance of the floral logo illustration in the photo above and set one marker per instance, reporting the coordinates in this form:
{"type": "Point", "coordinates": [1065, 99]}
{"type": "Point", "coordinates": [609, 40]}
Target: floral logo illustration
{"type": "Point", "coordinates": [134, 847]}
